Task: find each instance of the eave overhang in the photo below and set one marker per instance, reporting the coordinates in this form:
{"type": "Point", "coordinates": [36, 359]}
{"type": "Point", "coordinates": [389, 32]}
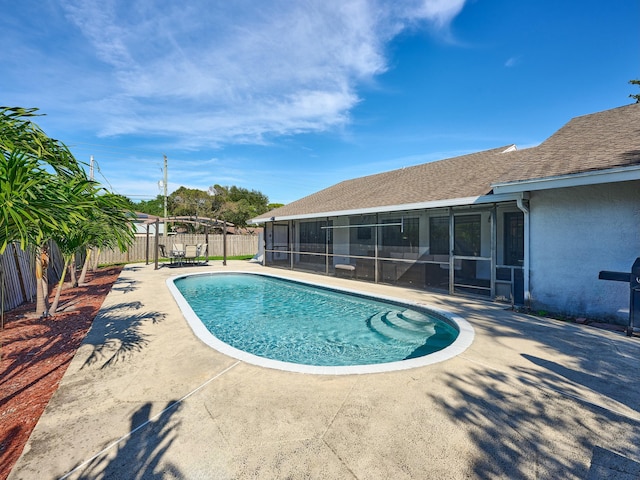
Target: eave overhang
{"type": "Point", "coordinates": [452, 202]}
{"type": "Point", "coordinates": [611, 175]}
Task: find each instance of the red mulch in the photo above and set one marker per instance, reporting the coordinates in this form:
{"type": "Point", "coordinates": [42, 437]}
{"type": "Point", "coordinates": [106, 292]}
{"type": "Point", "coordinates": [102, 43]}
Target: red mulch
{"type": "Point", "coordinates": [35, 353]}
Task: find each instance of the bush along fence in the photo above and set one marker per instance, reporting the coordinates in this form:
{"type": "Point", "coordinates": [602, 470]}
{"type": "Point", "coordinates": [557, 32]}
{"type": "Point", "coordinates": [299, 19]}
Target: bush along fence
{"type": "Point", "coordinates": [237, 245]}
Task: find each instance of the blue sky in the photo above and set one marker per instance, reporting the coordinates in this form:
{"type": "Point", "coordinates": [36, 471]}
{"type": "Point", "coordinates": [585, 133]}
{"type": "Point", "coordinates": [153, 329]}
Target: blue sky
{"type": "Point", "coordinates": [289, 97]}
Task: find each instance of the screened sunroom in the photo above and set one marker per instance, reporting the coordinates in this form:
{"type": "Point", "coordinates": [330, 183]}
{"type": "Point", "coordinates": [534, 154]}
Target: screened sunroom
{"type": "Point", "coordinates": [471, 249]}
{"type": "Point", "coordinates": [517, 225]}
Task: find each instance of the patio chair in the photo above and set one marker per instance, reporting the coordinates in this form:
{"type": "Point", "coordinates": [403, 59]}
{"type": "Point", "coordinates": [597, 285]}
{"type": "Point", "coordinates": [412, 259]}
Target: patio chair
{"type": "Point", "coordinates": [190, 253]}
{"type": "Point", "coordinates": [170, 255]}
{"type": "Point", "coordinates": [176, 255]}
{"type": "Point", "coordinates": [203, 252]}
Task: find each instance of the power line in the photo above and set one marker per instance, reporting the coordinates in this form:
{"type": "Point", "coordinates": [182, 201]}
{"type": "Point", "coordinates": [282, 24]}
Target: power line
{"type": "Point", "coordinates": [109, 147]}
{"type": "Point", "coordinates": [102, 174]}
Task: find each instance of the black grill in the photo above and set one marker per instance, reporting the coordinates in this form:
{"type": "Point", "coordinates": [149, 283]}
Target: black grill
{"type": "Point", "coordinates": [633, 279]}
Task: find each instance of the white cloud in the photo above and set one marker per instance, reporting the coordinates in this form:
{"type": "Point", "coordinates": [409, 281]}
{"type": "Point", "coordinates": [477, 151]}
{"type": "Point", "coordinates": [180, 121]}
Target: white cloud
{"type": "Point", "coordinates": [212, 72]}
{"type": "Point", "coordinates": [512, 61]}
{"type": "Point", "coordinates": [439, 12]}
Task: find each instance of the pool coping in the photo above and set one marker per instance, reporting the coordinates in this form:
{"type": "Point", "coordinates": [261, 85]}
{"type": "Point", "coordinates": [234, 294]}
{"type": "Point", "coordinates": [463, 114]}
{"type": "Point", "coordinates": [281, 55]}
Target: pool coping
{"type": "Point", "coordinates": [462, 342]}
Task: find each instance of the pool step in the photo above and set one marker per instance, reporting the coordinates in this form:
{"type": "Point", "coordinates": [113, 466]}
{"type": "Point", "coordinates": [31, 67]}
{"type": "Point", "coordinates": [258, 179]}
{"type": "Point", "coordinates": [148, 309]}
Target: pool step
{"type": "Point", "coordinates": [442, 335]}
{"type": "Point", "coordinates": [395, 325]}
{"type": "Point", "coordinates": [416, 317]}
{"type": "Point", "coordinates": [408, 320]}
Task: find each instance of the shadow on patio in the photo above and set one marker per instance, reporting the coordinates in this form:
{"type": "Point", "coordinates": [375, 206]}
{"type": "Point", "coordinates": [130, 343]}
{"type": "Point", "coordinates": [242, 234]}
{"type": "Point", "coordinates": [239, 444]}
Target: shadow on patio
{"type": "Point", "coordinates": [141, 451]}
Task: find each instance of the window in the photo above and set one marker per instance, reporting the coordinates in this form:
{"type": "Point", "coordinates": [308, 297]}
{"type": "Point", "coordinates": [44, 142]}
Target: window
{"type": "Point", "coordinates": [364, 233]}
{"type": "Point", "coordinates": [514, 238]}
{"type": "Point", "coordinates": [467, 235]}
{"type": "Point", "coordinates": [361, 238]}
{"type": "Point", "coordinates": [280, 235]}
{"type": "Point", "coordinates": [405, 235]}
{"type": "Point", "coordinates": [439, 235]}
{"type": "Point", "coordinates": [312, 237]}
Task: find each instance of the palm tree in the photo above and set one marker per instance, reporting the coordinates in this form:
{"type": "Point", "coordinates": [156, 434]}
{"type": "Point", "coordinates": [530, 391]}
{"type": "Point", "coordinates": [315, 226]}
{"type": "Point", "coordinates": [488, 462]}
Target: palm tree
{"type": "Point", "coordinates": [42, 188]}
{"type": "Point", "coordinates": [68, 244]}
{"type": "Point", "coordinates": [45, 193]}
{"type": "Point", "coordinates": [110, 225]}
{"type": "Point", "coordinates": [35, 203]}
{"type": "Point", "coordinates": [19, 133]}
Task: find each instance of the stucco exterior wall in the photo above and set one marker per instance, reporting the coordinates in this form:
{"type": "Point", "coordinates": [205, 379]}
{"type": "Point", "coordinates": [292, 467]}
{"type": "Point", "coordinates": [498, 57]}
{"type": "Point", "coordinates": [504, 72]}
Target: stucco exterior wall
{"type": "Point", "coordinates": [575, 233]}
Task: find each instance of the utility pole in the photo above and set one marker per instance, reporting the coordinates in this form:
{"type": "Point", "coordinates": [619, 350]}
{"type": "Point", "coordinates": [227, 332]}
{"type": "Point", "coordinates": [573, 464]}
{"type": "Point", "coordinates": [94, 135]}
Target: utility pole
{"type": "Point", "coordinates": [166, 177]}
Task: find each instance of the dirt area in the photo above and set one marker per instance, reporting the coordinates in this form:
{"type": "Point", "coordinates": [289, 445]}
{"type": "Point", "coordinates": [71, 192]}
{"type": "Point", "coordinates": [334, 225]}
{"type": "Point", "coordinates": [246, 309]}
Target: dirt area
{"type": "Point", "coordinates": [35, 353]}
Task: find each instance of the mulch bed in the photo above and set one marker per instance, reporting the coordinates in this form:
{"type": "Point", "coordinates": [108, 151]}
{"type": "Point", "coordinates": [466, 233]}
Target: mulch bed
{"type": "Point", "coordinates": [35, 353]}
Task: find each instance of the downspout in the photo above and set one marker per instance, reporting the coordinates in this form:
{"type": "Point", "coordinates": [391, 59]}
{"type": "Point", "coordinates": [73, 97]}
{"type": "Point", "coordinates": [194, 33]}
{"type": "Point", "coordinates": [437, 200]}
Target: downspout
{"type": "Point", "coordinates": [525, 264]}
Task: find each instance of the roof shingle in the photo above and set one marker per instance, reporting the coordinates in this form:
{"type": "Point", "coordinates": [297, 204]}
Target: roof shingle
{"type": "Point", "coordinates": [597, 141]}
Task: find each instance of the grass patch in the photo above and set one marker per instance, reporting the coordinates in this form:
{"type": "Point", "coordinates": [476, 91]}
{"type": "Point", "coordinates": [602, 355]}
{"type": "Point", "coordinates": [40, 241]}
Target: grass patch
{"type": "Point", "coordinates": [166, 260]}
{"type": "Point", "coordinates": [238, 257]}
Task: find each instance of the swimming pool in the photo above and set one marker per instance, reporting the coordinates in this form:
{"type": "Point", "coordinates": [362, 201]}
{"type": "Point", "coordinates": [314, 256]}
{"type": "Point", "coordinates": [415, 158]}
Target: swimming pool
{"type": "Point", "coordinates": [290, 325]}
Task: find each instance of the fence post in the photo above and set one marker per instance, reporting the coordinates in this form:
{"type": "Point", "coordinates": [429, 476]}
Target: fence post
{"type": "Point", "coordinates": [224, 243]}
{"type": "Point", "coordinates": [146, 255]}
{"type": "Point", "coordinates": [155, 250]}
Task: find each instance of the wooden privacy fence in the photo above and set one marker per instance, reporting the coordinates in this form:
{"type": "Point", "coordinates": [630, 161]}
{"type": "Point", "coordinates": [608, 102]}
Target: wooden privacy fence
{"type": "Point", "coordinates": [236, 245]}
{"type": "Point", "coordinates": [17, 267]}
{"type": "Point", "coordinates": [18, 278]}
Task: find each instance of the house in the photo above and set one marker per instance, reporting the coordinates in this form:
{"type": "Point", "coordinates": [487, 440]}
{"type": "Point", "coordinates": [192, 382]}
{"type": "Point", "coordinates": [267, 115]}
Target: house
{"type": "Point", "coordinates": [532, 226]}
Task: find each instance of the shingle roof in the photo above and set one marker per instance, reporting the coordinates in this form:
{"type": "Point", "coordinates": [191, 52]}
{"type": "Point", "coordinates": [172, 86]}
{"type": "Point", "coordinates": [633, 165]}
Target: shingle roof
{"type": "Point", "coordinates": [597, 141]}
{"type": "Point", "coordinates": [592, 142]}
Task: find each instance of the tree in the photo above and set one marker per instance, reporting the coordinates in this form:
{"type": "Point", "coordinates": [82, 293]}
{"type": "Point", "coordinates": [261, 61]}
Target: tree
{"type": "Point", "coordinates": [152, 207]}
{"type": "Point", "coordinates": [237, 212]}
{"type": "Point", "coordinates": [256, 199]}
{"type": "Point", "coordinates": [44, 191]}
{"type": "Point", "coordinates": [238, 205]}
{"type": "Point", "coordinates": [232, 204]}
{"type": "Point", "coordinates": [126, 202]}
{"type": "Point", "coordinates": [40, 183]}
{"type": "Point", "coordinates": [36, 173]}
{"type": "Point", "coordinates": [109, 225]}
{"type": "Point", "coordinates": [68, 245]}
{"type": "Point", "coordinates": [190, 202]}
{"type": "Point", "coordinates": [636, 96]}
{"type": "Point", "coordinates": [19, 134]}
{"type": "Point", "coordinates": [74, 196]}
{"type": "Point", "coordinates": [28, 195]}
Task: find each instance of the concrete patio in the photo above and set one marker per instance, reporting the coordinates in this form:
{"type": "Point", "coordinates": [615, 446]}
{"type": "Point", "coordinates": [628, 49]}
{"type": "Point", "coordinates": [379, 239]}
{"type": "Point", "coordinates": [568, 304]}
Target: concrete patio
{"type": "Point", "coordinates": [531, 398]}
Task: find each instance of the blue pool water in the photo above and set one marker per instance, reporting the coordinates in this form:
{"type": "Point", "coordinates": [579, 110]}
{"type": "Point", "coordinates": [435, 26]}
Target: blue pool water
{"type": "Point", "coordinates": [302, 324]}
